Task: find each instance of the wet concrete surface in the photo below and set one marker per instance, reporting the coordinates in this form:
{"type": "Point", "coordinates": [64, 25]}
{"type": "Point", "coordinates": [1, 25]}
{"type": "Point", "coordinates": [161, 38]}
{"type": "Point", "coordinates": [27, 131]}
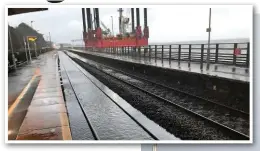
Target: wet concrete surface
{"type": "Point", "coordinates": [108, 120]}
{"type": "Point", "coordinates": [80, 129]}
{"type": "Point", "coordinates": [17, 80]}
{"type": "Point", "coordinates": [16, 118]}
{"type": "Point", "coordinates": [157, 131]}
{"type": "Point", "coordinates": [43, 134]}
{"type": "Point", "coordinates": [230, 92]}
{"type": "Point", "coordinates": [222, 70]}
{"type": "Point", "coordinates": [46, 117]}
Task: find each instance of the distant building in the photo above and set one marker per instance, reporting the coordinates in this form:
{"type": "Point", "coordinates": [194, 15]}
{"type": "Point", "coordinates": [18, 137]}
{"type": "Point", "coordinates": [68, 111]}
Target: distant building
{"type": "Point", "coordinates": [64, 45]}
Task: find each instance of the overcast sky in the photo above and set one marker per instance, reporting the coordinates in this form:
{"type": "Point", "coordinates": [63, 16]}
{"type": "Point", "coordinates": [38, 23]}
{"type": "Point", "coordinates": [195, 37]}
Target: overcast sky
{"type": "Point", "coordinates": [172, 24]}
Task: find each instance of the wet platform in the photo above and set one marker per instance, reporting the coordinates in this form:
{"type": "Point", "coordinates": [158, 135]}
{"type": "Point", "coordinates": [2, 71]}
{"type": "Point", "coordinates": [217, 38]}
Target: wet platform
{"type": "Point", "coordinates": [107, 115]}
{"type": "Point", "coordinates": [45, 113]}
{"type": "Point", "coordinates": [216, 70]}
{"type": "Point", "coordinates": [18, 79]}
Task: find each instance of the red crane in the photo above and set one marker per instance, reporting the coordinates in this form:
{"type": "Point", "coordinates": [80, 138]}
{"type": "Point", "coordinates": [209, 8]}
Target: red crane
{"type": "Point", "coordinates": [93, 36]}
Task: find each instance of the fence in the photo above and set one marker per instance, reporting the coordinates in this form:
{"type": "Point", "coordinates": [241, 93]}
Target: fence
{"type": "Point", "coordinates": [220, 53]}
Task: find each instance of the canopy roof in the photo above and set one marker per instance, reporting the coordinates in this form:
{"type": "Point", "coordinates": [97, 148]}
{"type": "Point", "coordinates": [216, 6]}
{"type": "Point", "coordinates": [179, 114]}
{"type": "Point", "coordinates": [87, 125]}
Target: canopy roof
{"type": "Point", "coordinates": [15, 11]}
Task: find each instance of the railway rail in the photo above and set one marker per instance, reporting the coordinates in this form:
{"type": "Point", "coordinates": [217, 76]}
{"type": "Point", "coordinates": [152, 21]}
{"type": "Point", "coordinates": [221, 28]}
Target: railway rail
{"type": "Point", "coordinates": [147, 130]}
{"type": "Point", "coordinates": [206, 110]}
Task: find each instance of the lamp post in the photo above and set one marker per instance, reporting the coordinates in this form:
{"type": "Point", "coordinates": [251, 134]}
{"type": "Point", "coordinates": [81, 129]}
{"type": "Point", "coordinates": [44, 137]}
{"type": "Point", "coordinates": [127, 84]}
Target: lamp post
{"type": "Point", "coordinates": [209, 30]}
{"type": "Point", "coordinates": [35, 51]}
{"type": "Point", "coordinates": [25, 49]}
{"type": "Point", "coordinates": [113, 33]}
{"type": "Point", "coordinates": [50, 36]}
{"type": "Point", "coordinates": [112, 26]}
{"type": "Point", "coordinates": [31, 23]}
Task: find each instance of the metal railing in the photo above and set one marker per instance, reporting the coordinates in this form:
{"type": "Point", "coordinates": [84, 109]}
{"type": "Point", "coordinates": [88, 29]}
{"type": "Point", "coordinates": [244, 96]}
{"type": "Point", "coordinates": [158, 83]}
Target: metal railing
{"type": "Point", "coordinates": [220, 53]}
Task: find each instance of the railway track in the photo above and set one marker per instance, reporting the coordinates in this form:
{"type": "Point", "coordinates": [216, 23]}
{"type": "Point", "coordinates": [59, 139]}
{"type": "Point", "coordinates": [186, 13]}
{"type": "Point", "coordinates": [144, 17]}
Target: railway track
{"type": "Point", "coordinates": [145, 128]}
{"type": "Point", "coordinates": [206, 110]}
{"type": "Point", "coordinates": [228, 100]}
{"type": "Point", "coordinates": [93, 131]}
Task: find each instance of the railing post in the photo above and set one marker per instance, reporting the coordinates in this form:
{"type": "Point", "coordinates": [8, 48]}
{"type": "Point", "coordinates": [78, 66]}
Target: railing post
{"type": "Point", "coordinates": [201, 57]}
{"type": "Point", "coordinates": [139, 51]}
{"type": "Point", "coordinates": [216, 54]}
{"type": "Point", "coordinates": [162, 52]}
{"type": "Point", "coordinates": [189, 55]}
{"type": "Point", "coordinates": [150, 52]}
{"type": "Point", "coordinates": [170, 53]}
{"type": "Point", "coordinates": [179, 55]}
{"type": "Point", "coordinates": [144, 51]}
{"type": "Point", "coordinates": [155, 52]}
{"type": "Point", "coordinates": [132, 54]}
{"type": "Point", "coordinates": [234, 57]}
{"type": "Point", "coordinates": [134, 49]}
{"type": "Point", "coordinates": [247, 54]}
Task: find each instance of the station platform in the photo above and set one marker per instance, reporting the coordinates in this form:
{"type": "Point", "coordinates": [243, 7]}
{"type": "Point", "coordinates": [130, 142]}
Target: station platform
{"type": "Point", "coordinates": [18, 79]}
{"type": "Point", "coordinates": [39, 112]}
{"type": "Point", "coordinates": [216, 70]}
{"type": "Point", "coordinates": [97, 113]}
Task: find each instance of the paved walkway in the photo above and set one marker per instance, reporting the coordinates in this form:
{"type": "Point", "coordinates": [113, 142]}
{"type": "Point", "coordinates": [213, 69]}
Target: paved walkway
{"type": "Point", "coordinates": [224, 71]}
{"type": "Point", "coordinates": [45, 115]}
{"type": "Point", "coordinates": [18, 79]}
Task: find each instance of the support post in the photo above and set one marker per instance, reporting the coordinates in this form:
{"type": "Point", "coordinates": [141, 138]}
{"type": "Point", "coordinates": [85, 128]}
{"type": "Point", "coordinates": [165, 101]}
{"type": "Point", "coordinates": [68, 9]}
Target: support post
{"type": "Point", "coordinates": [150, 52]}
{"type": "Point", "coordinates": [189, 55]}
{"type": "Point", "coordinates": [25, 49]}
{"type": "Point", "coordinates": [133, 19]}
{"type": "Point", "coordinates": [216, 54]}
{"type": "Point", "coordinates": [247, 54]}
{"type": "Point", "coordinates": [170, 53]}
{"type": "Point", "coordinates": [162, 52]}
{"type": "Point", "coordinates": [12, 49]}
{"type": "Point", "coordinates": [35, 49]}
{"type": "Point", "coordinates": [209, 30]}
{"type": "Point", "coordinates": [89, 19]}
{"type": "Point", "coordinates": [97, 17]}
{"type": "Point", "coordinates": [234, 57]}
{"type": "Point", "coordinates": [137, 17]}
{"type": "Point", "coordinates": [201, 57]}
{"type": "Point", "coordinates": [144, 51]}
{"type": "Point", "coordinates": [84, 22]}
{"type": "Point", "coordinates": [179, 54]}
{"type": "Point", "coordinates": [30, 57]}
{"type": "Point", "coordinates": [139, 51]}
{"type": "Point", "coordinates": [155, 52]}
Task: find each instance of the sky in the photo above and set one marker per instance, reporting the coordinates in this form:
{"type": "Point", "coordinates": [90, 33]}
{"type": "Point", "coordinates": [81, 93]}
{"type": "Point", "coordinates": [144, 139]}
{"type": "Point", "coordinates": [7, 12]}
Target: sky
{"type": "Point", "coordinates": [166, 24]}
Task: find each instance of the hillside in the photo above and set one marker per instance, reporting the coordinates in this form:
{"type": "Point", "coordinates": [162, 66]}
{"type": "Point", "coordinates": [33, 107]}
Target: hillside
{"type": "Point", "coordinates": [23, 30]}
